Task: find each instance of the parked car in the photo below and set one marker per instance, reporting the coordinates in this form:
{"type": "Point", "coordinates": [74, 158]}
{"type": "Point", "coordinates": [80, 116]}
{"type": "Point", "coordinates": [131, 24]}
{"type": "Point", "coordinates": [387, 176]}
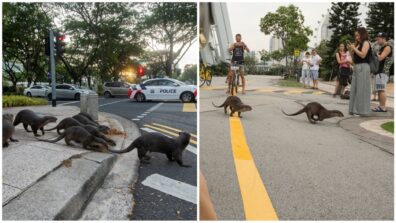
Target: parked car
{"type": "Point", "coordinates": [37, 91]}
{"type": "Point", "coordinates": [162, 89]}
{"type": "Point", "coordinates": [112, 89]}
{"type": "Point", "coordinates": [69, 91]}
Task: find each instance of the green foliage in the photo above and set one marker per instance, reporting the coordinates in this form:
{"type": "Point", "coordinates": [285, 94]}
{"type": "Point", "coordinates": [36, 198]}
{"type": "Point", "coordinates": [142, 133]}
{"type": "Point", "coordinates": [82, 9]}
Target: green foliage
{"type": "Point", "coordinates": [389, 126]}
{"type": "Point", "coordinates": [380, 18]}
{"type": "Point", "coordinates": [25, 26]}
{"type": "Point", "coordinates": [174, 26]}
{"type": "Point", "coordinates": [250, 63]}
{"type": "Point", "coordinates": [16, 100]}
{"type": "Point", "coordinates": [344, 20]}
{"type": "Point", "coordinates": [287, 24]}
{"type": "Point", "coordinates": [189, 74]}
{"type": "Point", "coordinates": [220, 69]}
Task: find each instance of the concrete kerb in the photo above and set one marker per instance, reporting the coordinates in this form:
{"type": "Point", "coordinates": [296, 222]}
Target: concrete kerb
{"type": "Point", "coordinates": [63, 192]}
{"type": "Point", "coordinates": [114, 199]}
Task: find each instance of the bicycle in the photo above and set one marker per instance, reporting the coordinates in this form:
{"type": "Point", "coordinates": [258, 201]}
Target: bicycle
{"type": "Point", "coordinates": [234, 82]}
{"type": "Point", "coordinates": [205, 75]}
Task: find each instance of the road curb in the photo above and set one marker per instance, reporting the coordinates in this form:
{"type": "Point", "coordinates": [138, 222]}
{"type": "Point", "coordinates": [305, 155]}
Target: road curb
{"type": "Point", "coordinates": [352, 125]}
{"type": "Point", "coordinates": [114, 199]}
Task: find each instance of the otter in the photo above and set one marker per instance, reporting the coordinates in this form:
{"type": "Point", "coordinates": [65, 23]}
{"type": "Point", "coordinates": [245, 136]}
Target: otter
{"type": "Point", "coordinates": [28, 117]}
{"type": "Point", "coordinates": [84, 120]}
{"type": "Point", "coordinates": [236, 105]}
{"type": "Point", "coordinates": [156, 142]}
{"type": "Point", "coordinates": [68, 122]}
{"type": "Point", "coordinates": [80, 135]}
{"type": "Point", "coordinates": [8, 129]}
{"type": "Point", "coordinates": [313, 109]}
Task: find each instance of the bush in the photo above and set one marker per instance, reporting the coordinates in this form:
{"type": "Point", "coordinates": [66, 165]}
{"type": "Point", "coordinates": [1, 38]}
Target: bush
{"type": "Point", "coordinates": [220, 69]}
{"type": "Point", "coordinates": [100, 89]}
{"type": "Point", "coordinates": [16, 100]}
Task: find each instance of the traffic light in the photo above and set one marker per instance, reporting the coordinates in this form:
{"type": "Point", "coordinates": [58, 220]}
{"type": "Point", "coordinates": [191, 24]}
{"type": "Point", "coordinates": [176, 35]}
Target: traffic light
{"type": "Point", "coordinates": [60, 45]}
{"type": "Point", "coordinates": [140, 71]}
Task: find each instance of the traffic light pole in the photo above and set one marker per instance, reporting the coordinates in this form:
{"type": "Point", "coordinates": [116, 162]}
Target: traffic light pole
{"type": "Point", "coordinates": [52, 67]}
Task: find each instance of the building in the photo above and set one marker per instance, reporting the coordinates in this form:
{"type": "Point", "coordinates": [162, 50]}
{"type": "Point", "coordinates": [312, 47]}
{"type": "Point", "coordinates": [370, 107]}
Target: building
{"type": "Point", "coordinates": [216, 28]}
{"type": "Point", "coordinates": [275, 44]}
{"type": "Point", "coordinates": [325, 32]}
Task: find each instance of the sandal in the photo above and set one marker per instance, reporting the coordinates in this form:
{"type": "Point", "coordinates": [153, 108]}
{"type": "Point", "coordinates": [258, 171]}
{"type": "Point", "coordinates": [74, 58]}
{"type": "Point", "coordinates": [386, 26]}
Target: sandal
{"type": "Point", "coordinates": [379, 109]}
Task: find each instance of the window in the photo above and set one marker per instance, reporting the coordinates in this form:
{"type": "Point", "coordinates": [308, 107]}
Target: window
{"type": "Point", "coordinates": [151, 83]}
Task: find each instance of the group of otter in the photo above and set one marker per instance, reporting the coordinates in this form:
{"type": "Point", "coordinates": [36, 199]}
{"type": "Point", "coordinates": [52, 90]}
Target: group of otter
{"type": "Point", "coordinates": [314, 110]}
{"type": "Point", "coordinates": [82, 128]}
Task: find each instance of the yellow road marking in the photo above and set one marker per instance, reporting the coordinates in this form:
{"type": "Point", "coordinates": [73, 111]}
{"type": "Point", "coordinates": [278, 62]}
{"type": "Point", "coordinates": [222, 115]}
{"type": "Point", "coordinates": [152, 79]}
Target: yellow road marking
{"type": "Point", "coordinates": [170, 128]}
{"type": "Point", "coordinates": [294, 92]}
{"type": "Point", "coordinates": [256, 202]}
{"type": "Point", "coordinates": [318, 92]}
{"type": "Point", "coordinates": [168, 132]}
{"type": "Point", "coordinates": [189, 107]}
{"type": "Point", "coordinates": [266, 90]}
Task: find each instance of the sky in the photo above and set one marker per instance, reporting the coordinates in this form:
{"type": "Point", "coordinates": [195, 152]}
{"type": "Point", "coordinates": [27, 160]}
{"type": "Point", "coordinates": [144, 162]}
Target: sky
{"type": "Point", "coordinates": [191, 57]}
{"type": "Point", "coordinates": [245, 19]}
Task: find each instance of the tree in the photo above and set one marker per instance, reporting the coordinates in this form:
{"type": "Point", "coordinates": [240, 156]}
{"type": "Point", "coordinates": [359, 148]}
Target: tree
{"type": "Point", "coordinates": [380, 18]}
{"type": "Point", "coordinates": [190, 74]}
{"type": "Point", "coordinates": [344, 20]}
{"type": "Point", "coordinates": [103, 39]}
{"type": "Point", "coordinates": [264, 56]}
{"type": "Point", "coordinates": [287, 24]}
{"type": "Point", "coordinates": [25, 27]}
{"type": "Point", "coordinates": [250, 63]}
{"type": "Point", "coordinates": [171, 27]}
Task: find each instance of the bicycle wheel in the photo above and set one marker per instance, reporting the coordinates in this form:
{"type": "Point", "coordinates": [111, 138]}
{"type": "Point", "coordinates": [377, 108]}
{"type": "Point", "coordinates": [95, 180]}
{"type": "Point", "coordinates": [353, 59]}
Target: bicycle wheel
{"type": "Point", "coordinates": [208, 76]}
{"type": "Point", "coordinates": [234, 87]}
{"type": "Point", "coordinates": [201, 76]}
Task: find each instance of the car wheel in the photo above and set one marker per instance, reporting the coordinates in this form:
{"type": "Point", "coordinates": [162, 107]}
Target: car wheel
{"type": "Point", "coordinates": [140, 97]}
{"type": "Point", "coordinates": [187, 97]}
{"type": "Point", "coordinates": [77, 96]}
{"type": "Point", "coordinates": [29, 94]}
{"type": "Point", "coordinates": [107, 94]}
{"type": "Point", "coordinates": [49, 96]}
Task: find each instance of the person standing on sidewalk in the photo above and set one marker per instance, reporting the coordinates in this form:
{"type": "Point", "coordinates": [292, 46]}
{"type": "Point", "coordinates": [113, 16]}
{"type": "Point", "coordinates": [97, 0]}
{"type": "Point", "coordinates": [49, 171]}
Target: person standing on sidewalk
{"type": "Point", "coordinates": [306, 63]}
{"type": "Point", "coordinates": [344, 69]}
{"type": "Point", "coordinates": [238, 48]}
{"type": "Point", "coordinates": [382, 76]}
{"type": "Point", "coordinates": [314, 69]}
{"type": "Point", "coordinates": [359, 102]}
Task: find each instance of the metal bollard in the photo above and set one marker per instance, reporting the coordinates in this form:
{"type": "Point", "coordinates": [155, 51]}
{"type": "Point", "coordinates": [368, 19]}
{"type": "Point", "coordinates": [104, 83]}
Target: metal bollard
{"type": "Point", "coordinates": [92, 105]}
{"type": "Point", "coordinates": [83, 102]}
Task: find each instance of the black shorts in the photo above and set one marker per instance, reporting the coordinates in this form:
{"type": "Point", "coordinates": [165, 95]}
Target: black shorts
{"type": "Point", "coordinates": [343, 76]}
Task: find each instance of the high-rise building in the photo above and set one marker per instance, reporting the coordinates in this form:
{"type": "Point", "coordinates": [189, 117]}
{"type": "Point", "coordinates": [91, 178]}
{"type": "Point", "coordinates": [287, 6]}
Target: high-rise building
{"type": "Point", "coordinates": [325, 31]}
{"type": "Point", "coordinates": [275, 44]}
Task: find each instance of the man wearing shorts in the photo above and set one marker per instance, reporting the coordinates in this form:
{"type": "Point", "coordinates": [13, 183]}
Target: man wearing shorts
{"type": "Point", "coordinates": [315, 61]}
{"type": "Point", "coordinates": [238, 48]}
{"type": "Point", "coordinates": [381, 77]}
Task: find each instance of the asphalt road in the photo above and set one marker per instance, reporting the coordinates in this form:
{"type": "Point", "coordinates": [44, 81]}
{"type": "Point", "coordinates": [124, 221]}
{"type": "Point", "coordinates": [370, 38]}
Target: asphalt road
{"type": "Point", "coordinates": [161, 202]}
{"type": "Point", "coordinates": [309, 172]}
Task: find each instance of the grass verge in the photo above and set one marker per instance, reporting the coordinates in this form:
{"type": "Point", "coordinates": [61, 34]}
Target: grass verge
{"type": "Point", "coordinates": [388, 126]}
{"type": "Point", "coordinates": [17, 100]}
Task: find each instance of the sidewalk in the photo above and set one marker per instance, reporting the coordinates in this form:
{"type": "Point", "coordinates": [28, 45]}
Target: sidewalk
{"type": "Point", "coordinates": [39, 185]}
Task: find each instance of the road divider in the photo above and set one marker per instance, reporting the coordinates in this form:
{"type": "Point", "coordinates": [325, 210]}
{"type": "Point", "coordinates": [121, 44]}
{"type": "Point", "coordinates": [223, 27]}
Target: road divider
{"type": "Point", "coordinates": [256, 201]}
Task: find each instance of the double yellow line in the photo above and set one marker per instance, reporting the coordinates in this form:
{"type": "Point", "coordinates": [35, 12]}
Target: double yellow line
{"type": "Point", "coordinates": [170, 131]}
{"type": "Point", "coordinates": [256, 202]}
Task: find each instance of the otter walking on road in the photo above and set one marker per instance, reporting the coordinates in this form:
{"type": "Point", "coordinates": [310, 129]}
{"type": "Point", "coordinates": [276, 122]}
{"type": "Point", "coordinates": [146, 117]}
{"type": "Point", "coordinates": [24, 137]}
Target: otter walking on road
{"type": "Point", "coordinates": [156, 142]}
{"type": "Point", "coordinates": [236, 105]}
{"type": "Point", "coordinates": [80, 135]}
{"type": "Point", "coordinates": [28, 117]}
{"type": "Point", "coordinates": [315, 109]}
{"type": "Point", "coordinates": [8, 129]}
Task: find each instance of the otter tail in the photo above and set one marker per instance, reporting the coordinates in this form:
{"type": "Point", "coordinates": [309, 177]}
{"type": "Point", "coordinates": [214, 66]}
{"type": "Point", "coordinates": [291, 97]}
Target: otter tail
{"type": "Point", "coordinates": [53, 140]}
{"type": "Point", "coordinates": [129, 148]}
{"type": "Point", "coordinates": [297, 113]}
{"type": "Point", "coordinates": [51, 129]}
{"type": "Point", "coordinates": [220, 106]}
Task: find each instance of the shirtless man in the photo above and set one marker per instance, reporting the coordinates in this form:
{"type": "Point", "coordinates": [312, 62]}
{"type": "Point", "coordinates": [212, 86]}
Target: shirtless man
{"type": "Point", "coordinates": [238, 48]}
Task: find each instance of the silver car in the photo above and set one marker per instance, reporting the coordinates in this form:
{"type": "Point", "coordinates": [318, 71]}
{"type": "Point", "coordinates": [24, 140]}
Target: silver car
{"type": "Point", "coordinates": [69, 91]}
{"type": "Point", "coordinates": [37, 91]}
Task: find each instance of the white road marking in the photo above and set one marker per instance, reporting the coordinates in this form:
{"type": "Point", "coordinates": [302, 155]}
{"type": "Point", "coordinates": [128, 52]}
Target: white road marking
{"type": "Point", "coordinates": [140, 116]}
{"type": "Point", "coordinates": [135, 119]}
{"type": "Point", "coordinates": [172, 187]}
{"type": "Point", "coordinates": [144, 114]}
{"type": "Point", "coordinates": [113, 102]}
{"type": "Point", "coordinates": [189, 147]}
{"type": "Point", "coordinates": [155, 107]}
{"type": "Point", "coordinates": [67, 103]}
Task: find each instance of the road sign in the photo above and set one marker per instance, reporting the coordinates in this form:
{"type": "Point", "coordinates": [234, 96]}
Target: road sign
{"type": "Point", "coordinates": [296, 52]}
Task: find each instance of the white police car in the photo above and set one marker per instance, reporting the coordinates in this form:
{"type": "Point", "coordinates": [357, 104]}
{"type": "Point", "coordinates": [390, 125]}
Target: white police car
{"type": "Point", "coordinates": [162, 89]}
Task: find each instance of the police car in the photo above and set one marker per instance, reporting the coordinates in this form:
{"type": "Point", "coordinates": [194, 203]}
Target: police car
{"type": "Point", "coordinates": [162, 89]}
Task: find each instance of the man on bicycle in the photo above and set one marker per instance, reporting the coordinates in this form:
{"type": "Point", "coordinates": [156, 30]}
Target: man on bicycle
{"type": "Point", "coordinates": [237, 49]}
